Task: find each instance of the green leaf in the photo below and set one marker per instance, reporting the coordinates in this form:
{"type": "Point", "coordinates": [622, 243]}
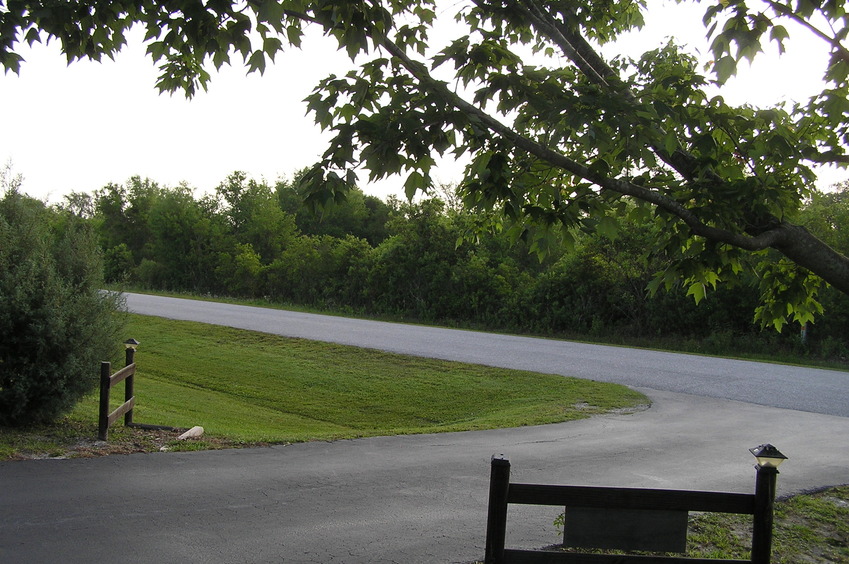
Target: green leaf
{"type": "Point", "coordinates": [416, 182]}
{"type": "Point", "coordinates": [779, 34]}
{"type": "Point", "coordinates": [698, 291]}
{"type": "Point", "coordinates": [271, 45]}
{"type": "Point", "coordinates": [639, 214]}
{"type": "Point", "coordinates": [600, 167]}
{"type": "Point", "coordinates": [157, 49]}
{"type": "Point", "coordinates": [670, 142]}
{"type": "Point", "coordinates": [33, 36]}
{"type": "Point", "coordinates": [294, 34]}
{"type": "Point", "coordinates": [725, 68]}
{"type": "Point", "coordinates": [256, 62]}
{"type": "Point", "coordinates": [270, 11]}
{"type": "Point", "coordinates": [608, 227]}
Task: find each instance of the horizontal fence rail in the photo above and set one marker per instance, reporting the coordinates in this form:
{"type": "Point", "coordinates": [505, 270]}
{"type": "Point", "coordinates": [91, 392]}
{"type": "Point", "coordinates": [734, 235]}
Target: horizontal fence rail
{"type": "Point", "coordinates": [107, 382]}
{"type": "Point", "coordinates": [631, 498]}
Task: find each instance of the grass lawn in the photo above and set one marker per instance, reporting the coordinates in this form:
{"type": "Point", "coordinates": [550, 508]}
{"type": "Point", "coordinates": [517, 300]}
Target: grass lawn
{"type": "Point", "coordinates": [808, 528]}
{"type": "Point", "coordinates": [252, 388]}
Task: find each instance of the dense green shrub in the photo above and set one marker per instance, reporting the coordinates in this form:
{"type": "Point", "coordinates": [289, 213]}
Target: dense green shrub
{"type": "Point", "coordinates": [55, 324]}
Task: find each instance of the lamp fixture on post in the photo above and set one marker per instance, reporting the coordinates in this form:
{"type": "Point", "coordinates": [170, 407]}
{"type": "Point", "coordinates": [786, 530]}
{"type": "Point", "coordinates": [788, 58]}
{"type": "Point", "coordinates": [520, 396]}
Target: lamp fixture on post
{"type": "Point", "coordinates": [766, 476]}
{"type": "Point", "coordinates": [768, 456]}
{"type": "Point", "coordinates": [130, 346]}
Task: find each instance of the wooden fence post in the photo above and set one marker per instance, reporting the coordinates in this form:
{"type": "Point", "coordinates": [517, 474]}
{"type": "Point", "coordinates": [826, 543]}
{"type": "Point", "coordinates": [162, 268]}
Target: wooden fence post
{"type": "Point", "coordinates": [128, 385]}
{"type": "Point", "coordinates": [496, 519]}
{"type": "Point", "coordinates": [103, 415]}
{"type": "Point", "coordinates": [765, 480]}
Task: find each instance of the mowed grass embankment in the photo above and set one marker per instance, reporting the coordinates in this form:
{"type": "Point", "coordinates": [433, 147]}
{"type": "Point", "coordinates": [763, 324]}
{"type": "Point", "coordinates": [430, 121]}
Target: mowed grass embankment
{"type": "Point", "coordinates": [259, 387]}
{"type": "Point", "coordinates": [250, 387]}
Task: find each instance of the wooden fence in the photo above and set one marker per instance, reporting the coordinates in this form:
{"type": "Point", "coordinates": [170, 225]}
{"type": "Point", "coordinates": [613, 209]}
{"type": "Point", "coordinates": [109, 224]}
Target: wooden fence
{"type": "Point", "coordinates": [502, 493]}
{"type": "Point", "coordinates": [107, 382]}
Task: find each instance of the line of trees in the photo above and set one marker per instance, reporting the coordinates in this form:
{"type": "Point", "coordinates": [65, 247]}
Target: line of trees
{"type": "Point", "coordinates": [432, 261]}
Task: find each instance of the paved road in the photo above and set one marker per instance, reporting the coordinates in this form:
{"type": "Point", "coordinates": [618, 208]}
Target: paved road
{"type": "Point", "coordinates": [791, 387]}
{"type": "Point", "coordinates": [415, 499]}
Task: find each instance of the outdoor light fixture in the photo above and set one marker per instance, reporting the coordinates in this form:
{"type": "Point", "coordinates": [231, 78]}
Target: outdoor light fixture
{"type": "Point", "coordinates": [768, 456]}
{"type": "Point", "coordinates": [131, 344]}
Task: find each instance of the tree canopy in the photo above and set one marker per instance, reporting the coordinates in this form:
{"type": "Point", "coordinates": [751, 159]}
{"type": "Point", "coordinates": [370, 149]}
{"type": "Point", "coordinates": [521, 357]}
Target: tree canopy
{"type": "Point", "coordinates": [559, 138]}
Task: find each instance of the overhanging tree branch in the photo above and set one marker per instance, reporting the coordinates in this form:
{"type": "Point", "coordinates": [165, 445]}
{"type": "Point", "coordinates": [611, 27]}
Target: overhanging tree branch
{"type": "Point", "coordinates": [559, 160]}
{"type": "Point", "coordinates": [596, 69]}
{"type": "Point", "coordinates": [793, 241]}
{"type": "Point", "coordinates": [788, 12]}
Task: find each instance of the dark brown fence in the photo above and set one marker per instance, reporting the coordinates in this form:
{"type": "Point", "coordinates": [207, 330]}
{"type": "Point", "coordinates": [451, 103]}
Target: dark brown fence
{"type": "Point", "coordinates": [107, 382]}
{"type": "Point", "coordinates": [624, 500]}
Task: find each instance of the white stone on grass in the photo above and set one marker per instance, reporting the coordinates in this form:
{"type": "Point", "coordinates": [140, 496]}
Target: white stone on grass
{"type": "Point", "coordinates": [195, 432]}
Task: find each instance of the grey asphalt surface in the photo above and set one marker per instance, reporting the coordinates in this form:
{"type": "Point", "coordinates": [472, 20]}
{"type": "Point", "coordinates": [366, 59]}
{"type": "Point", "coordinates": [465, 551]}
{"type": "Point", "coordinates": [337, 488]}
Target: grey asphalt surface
{"type": "Point", "coordinates": [404, 499]}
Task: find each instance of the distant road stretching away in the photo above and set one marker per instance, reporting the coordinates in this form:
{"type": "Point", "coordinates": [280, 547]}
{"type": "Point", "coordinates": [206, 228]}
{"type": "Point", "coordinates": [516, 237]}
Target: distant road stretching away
{"type": "Point", "coordinates": [775, 385]}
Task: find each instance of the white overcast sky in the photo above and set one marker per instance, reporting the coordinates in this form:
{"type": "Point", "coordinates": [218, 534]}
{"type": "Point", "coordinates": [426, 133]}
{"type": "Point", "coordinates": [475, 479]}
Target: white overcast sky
{"type": "Point", "coordinates": [79, 127]}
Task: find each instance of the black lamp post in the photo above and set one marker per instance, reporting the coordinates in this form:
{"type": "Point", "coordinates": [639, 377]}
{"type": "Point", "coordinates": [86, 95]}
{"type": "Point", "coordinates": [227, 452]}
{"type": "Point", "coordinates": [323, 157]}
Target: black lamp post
{"type": "Point", "coordinates": [769, 458]}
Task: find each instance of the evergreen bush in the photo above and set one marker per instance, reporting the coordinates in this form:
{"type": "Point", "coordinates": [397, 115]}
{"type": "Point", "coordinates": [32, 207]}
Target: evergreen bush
{"type": "Point", "coordinates": [55, 323]}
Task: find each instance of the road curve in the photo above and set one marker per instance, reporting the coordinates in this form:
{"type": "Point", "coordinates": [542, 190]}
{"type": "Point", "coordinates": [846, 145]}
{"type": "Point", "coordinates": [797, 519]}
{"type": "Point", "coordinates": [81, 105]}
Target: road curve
{"type": "Point", "coordinates": [774, 385]}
